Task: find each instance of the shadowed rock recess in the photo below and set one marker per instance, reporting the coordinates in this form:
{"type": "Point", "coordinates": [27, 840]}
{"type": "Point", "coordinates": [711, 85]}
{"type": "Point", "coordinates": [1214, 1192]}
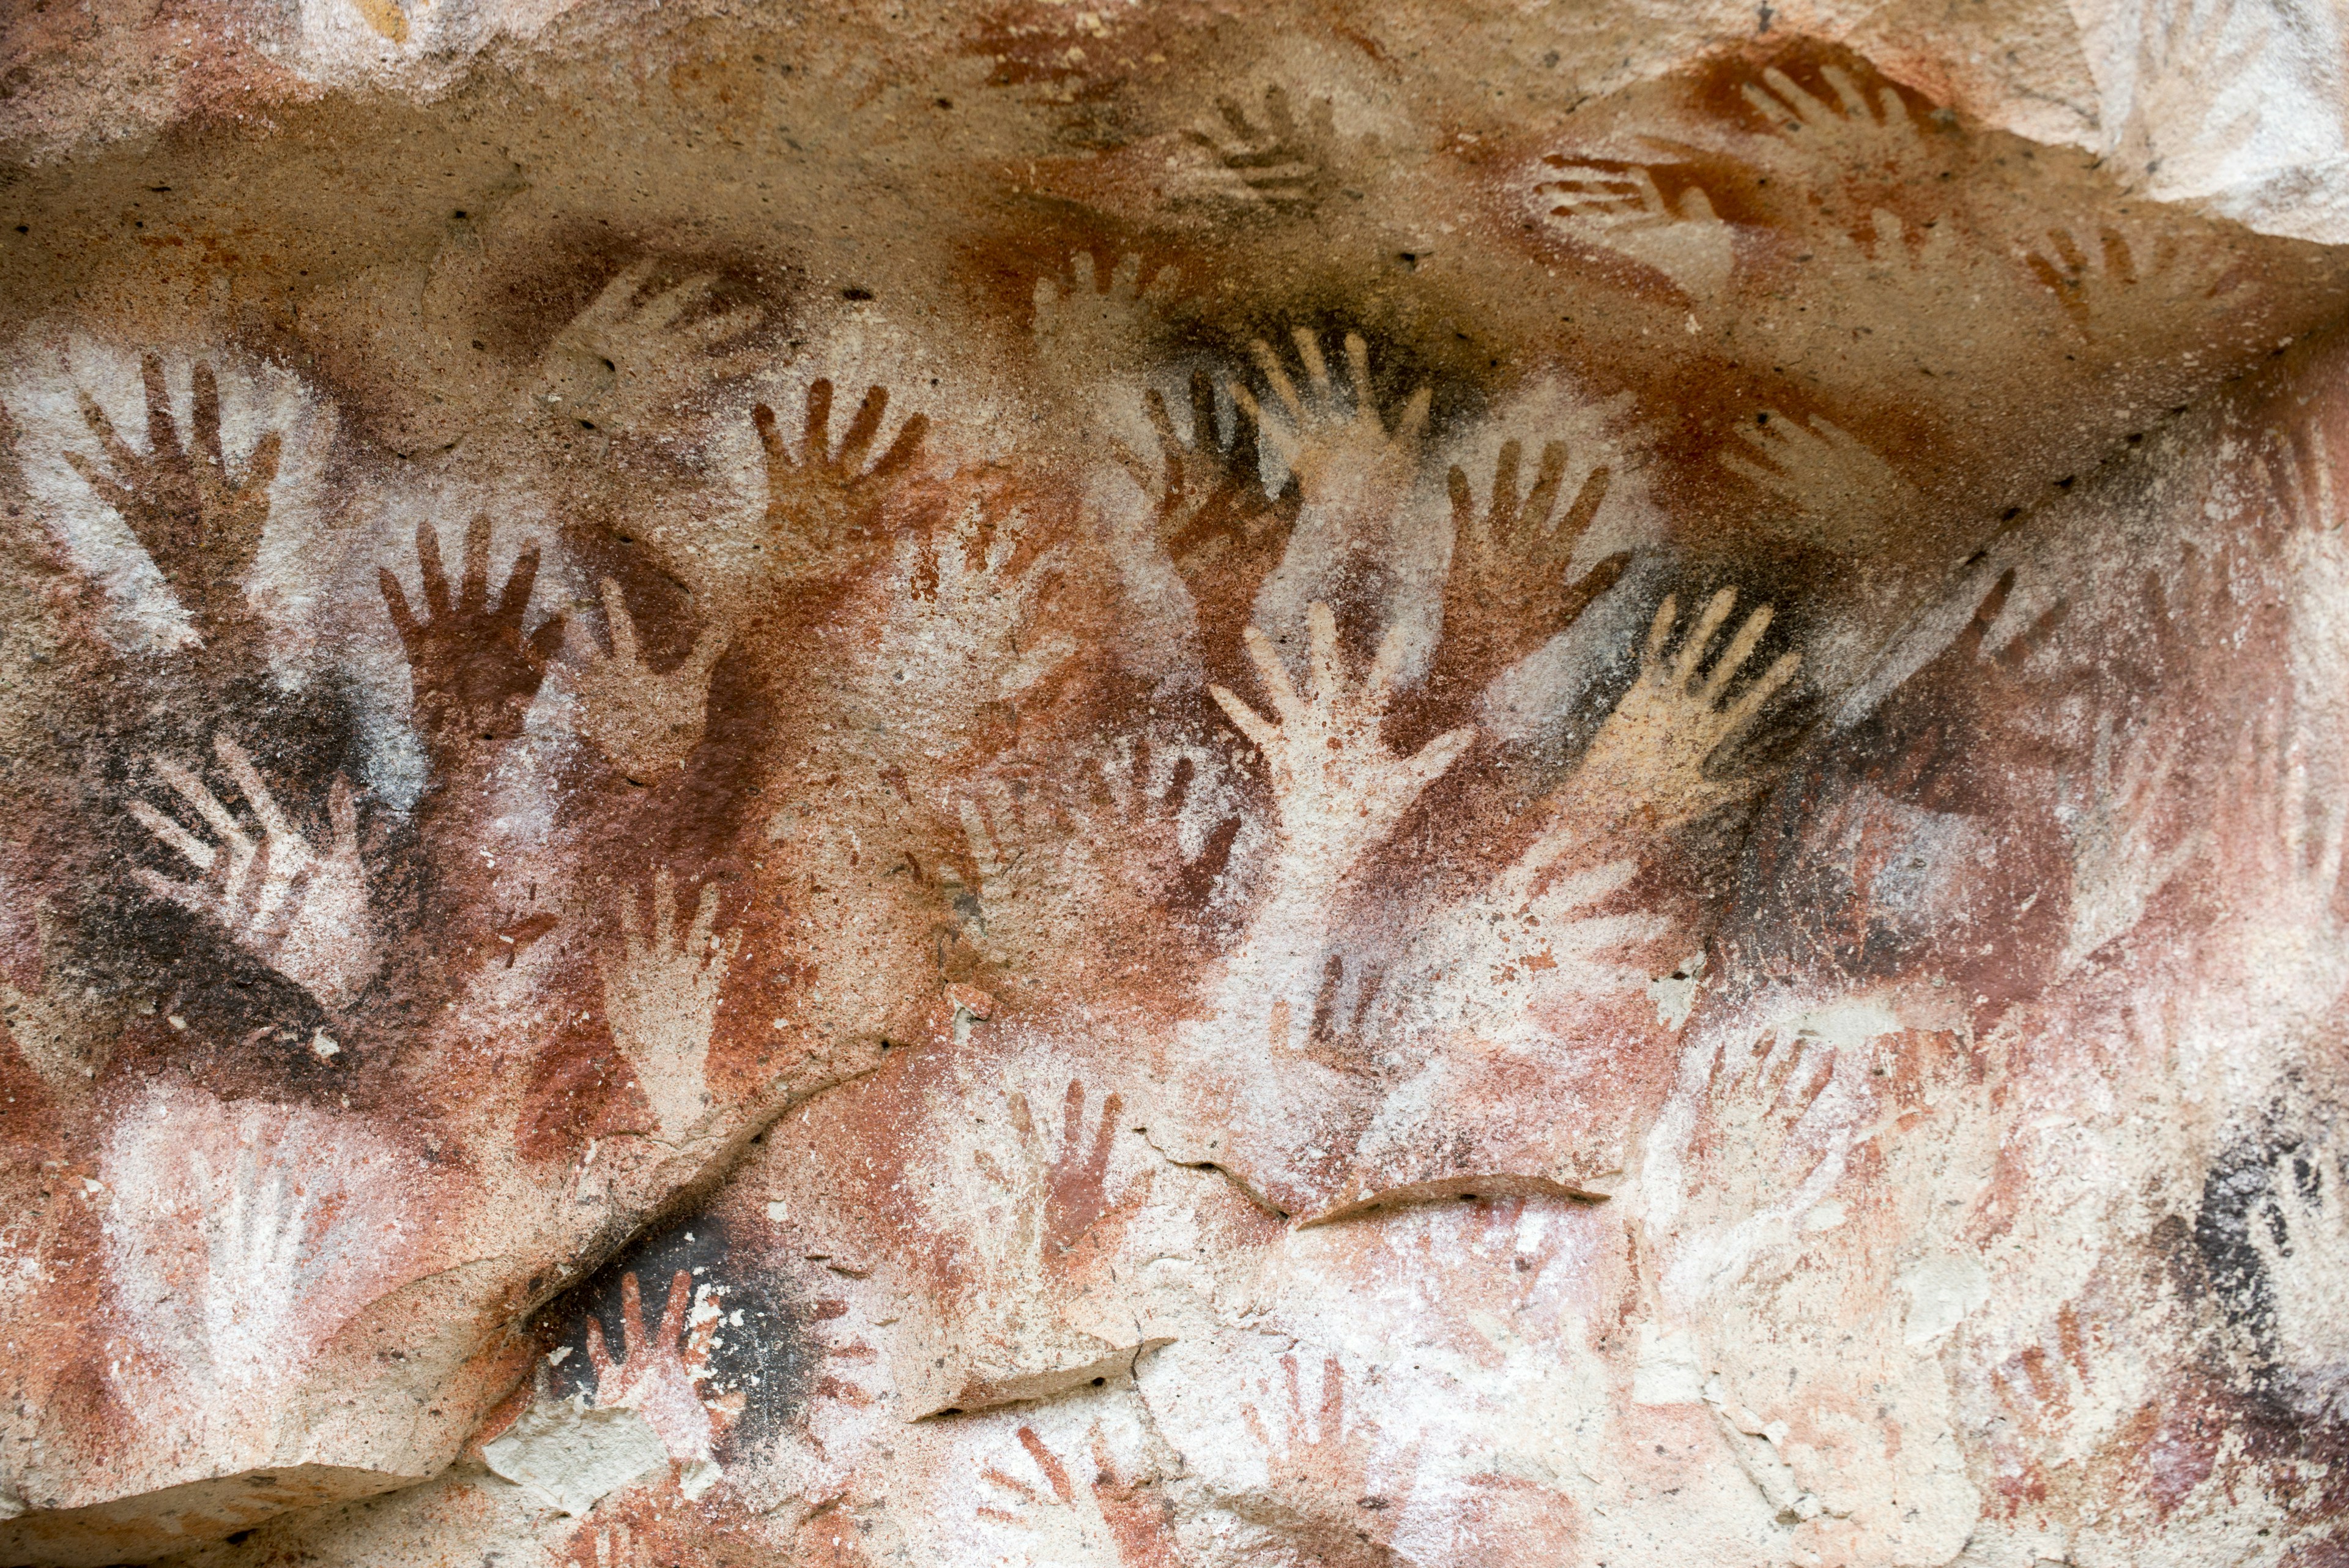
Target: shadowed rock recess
{"type": "Point", "coordinates": [1194, 785]}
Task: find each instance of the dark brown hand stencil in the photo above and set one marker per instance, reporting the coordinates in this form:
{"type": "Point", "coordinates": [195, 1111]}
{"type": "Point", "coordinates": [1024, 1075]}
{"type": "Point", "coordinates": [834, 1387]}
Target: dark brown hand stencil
{"type": "Point", "coordinates": [822, 503]}
{"type": "Point", "coordinates": [475, 673]}
{"type": "Point", "coordinates": [200, 530]}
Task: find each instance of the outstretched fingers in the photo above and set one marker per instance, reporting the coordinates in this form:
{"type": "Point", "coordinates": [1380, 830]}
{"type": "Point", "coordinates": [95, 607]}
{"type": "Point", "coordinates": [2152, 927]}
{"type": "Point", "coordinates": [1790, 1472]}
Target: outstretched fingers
{"type": "Point", "coordinates": [540, 648]}
{"type": "Point", "coordinates": [1261, 732]}
{"type": "Point", "coordinates": [1277, 375]}
{"type": "Point", "coordinates": [1587, 503]}
{"type": "Point", "coordinates": [1549, 478]}
{"type": "Point", "coordinates": [1283, 438]}
{"type": "Point", "coordinates": [427, 563]}
{"type": "Point", "coordinates": [1700, 638]}
{"type": "Point", "coordinates": [664, 909]}
{"type": "Point", "coordinates": [342, 815]}
{"type": "Point", "coordinates": [1269, 669]}
{"type": "Point", "coordinates": [473, 588]}
{"type": "Point", "coordinates": [1733, 657]}
{"type": "Point", "coordinates": [191, 848]}
{"type": "Point", "coordinates": [778, 457]}
{"type": "Point", "coordinates": [632, 1315]}
{"type": "Point", "coordinates": [250, 785]}
{"type": "Point", "coordinates": [193, 790]}
{"type": "Point", "coordinates": [1463, 506]}
{"type": "Point", "coordinates": [1855, 107]}
{"type": "Point", "coordinates": [1386, 663]}
{"type": "Point", "coordinates": [117, 451]}
{"type": "Point", "coordinates": [815, 437]}
{"type": "Point", "coordinates": [1580, 595]}
{"type": "Point", "coordinates": [1434, 759]}
{"type": "Point", "coordinates": [162, 436]}
{"type": "Point", "coordinates": [205, 424]}
{"type": "Point", "coordinates": [513, 600]}
{"type": "Point", "coordinates": [666, 308]}
{"type": "Point", "coordinates": [1333, 1400]}
{"type": "Point", "coordinates": [1659, 631]}
{"type": "Point", "coordinates": [1055, 1474]}
{"type": "Point", "coordinates": [707, 650]}
{"type": "Point", "coordinates": [190, 896]}
{"type": "Point", "coordinates": [1415, 416]}
{"type": "Point", "coordinates": [705, 920]}
{"type": "Point", "coordinates": [1741, 712]}
{"type": "Point", "coordinates": [862, 430]}
{"type": "Point", "coordinates": [1503, 511]}
{"type": "Point", "coordinates": [1805, 105]}
{"type": "Point", "coordinates": [261, 468]}
{"type": "Point", "coordinates": [1325, 679]}
{"type": "Point", "coordinates": [680, 1297]}
{"type": "Point", "coordinates": [904, 449]}
{"type": "Point", "coordinates": [612, 302]}
{"type": "Point", "coordinates": [403, 619]}
{"type": "Point", "coordinates": [121, 497]}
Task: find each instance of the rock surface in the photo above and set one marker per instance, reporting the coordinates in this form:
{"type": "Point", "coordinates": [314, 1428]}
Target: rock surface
{"type": "Point", "coordinates": [1173, 785]}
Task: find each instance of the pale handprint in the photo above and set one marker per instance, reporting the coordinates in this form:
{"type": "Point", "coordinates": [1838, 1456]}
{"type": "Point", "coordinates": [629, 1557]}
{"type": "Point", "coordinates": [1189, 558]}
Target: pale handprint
{"type": "Point", "coordinates": [822, 505]}
{"type": "Point", "coordinates": [1084, 331]}
{"type": "Point", "coordinates": [1529, 937]}
{"type": "Point", "coordinates": [1338, 790]}
{"type": "Point", "coordinates": [1756, 1108]}
{"type": "Point", "coordinates": [1281, 165]}
{"type": "Point", "coordinates": [1029, 869]}
{"type": "Point", "coordinates": [1649, 758]}
{"type": "Point", "coordinates": [1857, 125]}
{"type": "Point", "coordinates": [474, 674]}
{"type": "Point", "coordinates": [646, 723]}
{"type": "Point", "coordinates": [1135, 1518]}
{"type": "Point", "coordinates": [2182, 122]}
{"type": "Point", "coordinates": [1344, 460]}
{"type": "Point", "coordinates": [303, 914]}
{"type": "Point", "coordinates": [1896, 279]}
{"type": "Point", "coordinates": [2302, 472]}
{"type": "Point", "coordinates": [661, 996]}
{"type": "Point", "coordinates": [2118, 862]}
{"type": "Point", "coordinates": [2302, 1238]}
{"type": "Point", "coordinates": [1618, 207]}
{"type": "Point", "coordinates": [1846, 496]}
{"type": "Point", "coordinates": [1508, 592]}
{"type": "Point", "coordinates": [2096, 288]}
{"type": "Point", "coordinates": [658, 1376]}
{"type": "Point", "coordinates": [255, 1246]}
{"type": "Point", "coordinates": [963, 597]}
{"type": "Point", "coordinates": [200, 529]}
{"type": "Point", "coordinates": [2295, 938]}
{"type": "Point", "coordinates": [626, 364]}
{"type": "Point", "coordinates": [1321, 1461]}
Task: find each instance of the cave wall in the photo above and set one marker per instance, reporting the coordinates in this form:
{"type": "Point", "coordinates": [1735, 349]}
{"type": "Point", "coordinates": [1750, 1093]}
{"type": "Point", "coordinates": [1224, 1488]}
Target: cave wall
{"type": "Point", "coordinates": [1178, 784]}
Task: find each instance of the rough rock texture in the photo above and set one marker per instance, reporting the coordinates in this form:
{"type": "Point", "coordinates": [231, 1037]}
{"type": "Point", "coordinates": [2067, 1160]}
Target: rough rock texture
{"type": "Point", "coordinates": [1184, 784]}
